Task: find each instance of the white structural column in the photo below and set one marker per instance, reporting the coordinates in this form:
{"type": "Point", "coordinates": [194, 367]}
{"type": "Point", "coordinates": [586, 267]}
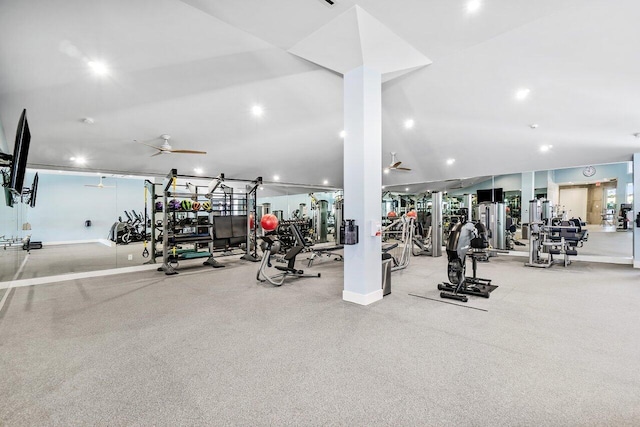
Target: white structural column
{"type": "Point", "coordinates": [636, 209]}
{"type": "Point", "coordinates": [362, 181]}
{"type": "Point", "coordinates": [366, 53]}
{"type": "Point", "coordinates": [528, 193]}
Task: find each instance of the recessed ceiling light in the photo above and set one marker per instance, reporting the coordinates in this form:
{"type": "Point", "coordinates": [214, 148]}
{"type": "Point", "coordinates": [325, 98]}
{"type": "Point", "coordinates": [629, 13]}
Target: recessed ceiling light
{"type": "Point", "coordinates": [522, 94]}
{"type": "Point", "coordinates": [386, 170]}
{"type": "Point", "coordinates": [545, 148]}
{"type": "Point", "coordinates": [257, 110]}
{"type": "Point", "coordinates": [473, 6]}
{"type": "Point", "coordinates": [81, 160]}
{"type": "Point", "coordinates": [533, 126]}
{"type": "Point", "coordinates": [451, 161]}
{"type": "Point", "coordinates": [198, 170]}
{"type": "Point", "coordinates": [406, 189]}
{"type": "Point", "coordinates": [262, 188]}
{"type": "Point", "coordinates": [276, 178]}
{"type": "Point", "coordinates": [343, 134]}
{"type": "Point", "coordinates": [88, 121]}
{"type": "Point", "coordinates": [325, 182]}
{"type": "Point", "coordinates": [409, 123]}
{"type": "Point", "coordinates": [73, 159]}
{"type": "Point", "coordinates": [98, 68]}
{"type": "Point", "coordinates": [383, 187]}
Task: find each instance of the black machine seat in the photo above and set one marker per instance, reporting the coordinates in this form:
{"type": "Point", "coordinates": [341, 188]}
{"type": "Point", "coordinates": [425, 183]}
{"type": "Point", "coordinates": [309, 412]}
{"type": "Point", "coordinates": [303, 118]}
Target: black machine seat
{"type": "Point", "coordinates": [290, 257]}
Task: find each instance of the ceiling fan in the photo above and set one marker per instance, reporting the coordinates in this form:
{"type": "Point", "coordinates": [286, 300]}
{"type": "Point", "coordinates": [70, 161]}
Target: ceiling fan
{"type": "Point", "coordinates": [165, 148]}
{"type": "Point", "coordinates": [100, 185]}
{"type": "Point", "coordinates": [395, 164]}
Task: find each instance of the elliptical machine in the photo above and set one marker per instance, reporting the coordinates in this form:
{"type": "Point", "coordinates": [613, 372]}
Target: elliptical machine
{"type": "Point", "coordinates": [465, 238]}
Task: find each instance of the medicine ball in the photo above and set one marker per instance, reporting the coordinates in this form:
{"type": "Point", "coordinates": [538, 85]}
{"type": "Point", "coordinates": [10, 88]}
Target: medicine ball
{"type": "Point", "coordinates": [195, 206]}
{"type": "Point", "coordinates": [392, 214]}
{"type": "Point", "coordinates": [206, 206]}
{"type": "Point", "coordinates": [269, 222]}
{"type": "Point", "coordinates": [186, 205]}
{"type": "Point", "coordinates": [412, 214]}
{"type": "Point", "coordinates": [174, 204]}
{"type": "Point", "coordinates": [158, 206]}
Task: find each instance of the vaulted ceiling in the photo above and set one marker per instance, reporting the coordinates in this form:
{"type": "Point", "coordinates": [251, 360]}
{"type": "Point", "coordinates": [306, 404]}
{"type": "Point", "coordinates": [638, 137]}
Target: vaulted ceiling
{"type": "Point", "coordinates": [194, 69]}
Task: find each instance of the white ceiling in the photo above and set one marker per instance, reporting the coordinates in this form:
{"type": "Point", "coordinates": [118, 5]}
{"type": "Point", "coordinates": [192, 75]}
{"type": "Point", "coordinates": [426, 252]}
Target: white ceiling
{"type": "Point", "coordinates": [194, 68]}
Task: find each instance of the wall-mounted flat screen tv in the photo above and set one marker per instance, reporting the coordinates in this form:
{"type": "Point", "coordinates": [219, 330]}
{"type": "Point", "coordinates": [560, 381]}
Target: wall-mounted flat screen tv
{"type": "Point", "coordinates": [490, 195]}
{"type": "Point", "coordinates": [20, 154]}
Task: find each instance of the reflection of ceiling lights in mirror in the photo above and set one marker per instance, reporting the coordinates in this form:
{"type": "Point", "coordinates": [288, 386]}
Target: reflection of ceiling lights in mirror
{"type": "Point", "coordinates": [533, 126]}
{"type": "Point", "coordinates": [325, 182]}
{"type": "Point", "coordinates": [386, 170]}
{"type": "Point", "coordinates": [545, 148]}
{"type": "Point", "coordinates": [276, 178]}
{"type": "Point", "coordinates": [198, 170]}
{"type": "Point", "coordinates": [451, 161]}
{"type": "Point", "coordinates": [409, 123]}
{"type": "Point", "coordinates": [343, 134]}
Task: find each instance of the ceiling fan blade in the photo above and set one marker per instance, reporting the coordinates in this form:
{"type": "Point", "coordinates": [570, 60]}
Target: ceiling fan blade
{"type": "Point", "coordinates": [91, 185]}
{"type": "Point", "coordinates": [403, 169]}
{"type": "Point", "coordinates": [148, 145]}
{"type": "Point", "coordinates": [188, 151]}
{"type": "Point", "coordinates": [158, 153]}
{"type": "Point", "coordinates": [395, 165]}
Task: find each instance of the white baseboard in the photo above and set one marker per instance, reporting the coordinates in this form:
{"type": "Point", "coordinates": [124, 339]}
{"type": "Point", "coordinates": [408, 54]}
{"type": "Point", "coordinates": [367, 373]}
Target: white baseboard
{"type": "Point", "coordinates": [75, 242]}
{"type": "Point", "coordinates": [75, 276]}
{"type": "Point", "coordinates": [362, 299]}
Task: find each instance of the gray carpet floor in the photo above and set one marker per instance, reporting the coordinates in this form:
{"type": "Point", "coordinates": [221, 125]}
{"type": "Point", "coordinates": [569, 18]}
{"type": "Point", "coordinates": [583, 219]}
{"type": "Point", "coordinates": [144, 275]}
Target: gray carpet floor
{"type": "Point", "coordinates": [64, 259]}
{"type": "Point", "coordinates": [555, 347]}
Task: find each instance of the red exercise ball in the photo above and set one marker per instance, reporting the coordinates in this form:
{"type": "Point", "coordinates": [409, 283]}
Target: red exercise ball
{"type": "Point", "coordinates": [269, 222]}
{"type": "Point", "coordinates": [412, 214]}
{"type": "Point", "coordinates": [392, 214]}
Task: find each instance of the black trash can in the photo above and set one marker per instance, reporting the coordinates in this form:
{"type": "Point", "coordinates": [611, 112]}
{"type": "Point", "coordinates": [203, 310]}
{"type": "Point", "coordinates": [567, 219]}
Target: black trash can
{"type": "Point", "coordinates": [386, 274]}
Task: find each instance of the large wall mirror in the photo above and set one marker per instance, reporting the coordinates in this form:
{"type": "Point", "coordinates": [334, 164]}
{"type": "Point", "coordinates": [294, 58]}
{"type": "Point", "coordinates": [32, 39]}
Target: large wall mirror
{"type": "Point", "coordinates": [601, 196]}
{"type": "Point", "coordinates": [91, 221]}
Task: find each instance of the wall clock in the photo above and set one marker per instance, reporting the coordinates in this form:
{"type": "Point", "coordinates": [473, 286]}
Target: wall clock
{"type": "Point", "coordinates": [589, 171]}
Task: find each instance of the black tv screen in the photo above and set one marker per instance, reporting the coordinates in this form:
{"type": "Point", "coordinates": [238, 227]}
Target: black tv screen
{"type": "Point", "coordinates": [34, 191]}
{"type": "Point", "coordinates": [20, 153]}
{"type": "Point", "coordinates": [491, 195]}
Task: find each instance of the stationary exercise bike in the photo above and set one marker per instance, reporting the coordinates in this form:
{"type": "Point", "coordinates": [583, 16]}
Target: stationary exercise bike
{"type": "Point", "coordinates": [465, 239]}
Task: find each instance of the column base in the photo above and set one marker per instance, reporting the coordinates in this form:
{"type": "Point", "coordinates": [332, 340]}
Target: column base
{"type": "Point", "coordinates": [362, 299]}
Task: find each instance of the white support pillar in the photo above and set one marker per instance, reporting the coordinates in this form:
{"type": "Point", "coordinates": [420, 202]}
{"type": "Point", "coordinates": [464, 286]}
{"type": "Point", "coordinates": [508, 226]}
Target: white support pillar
{"type": "Point", "coordinates": [636, 209]}
{"type": "Point", "coordinates": [528, 194]}
{"type": "Point", "coordinates": [362, 183]}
